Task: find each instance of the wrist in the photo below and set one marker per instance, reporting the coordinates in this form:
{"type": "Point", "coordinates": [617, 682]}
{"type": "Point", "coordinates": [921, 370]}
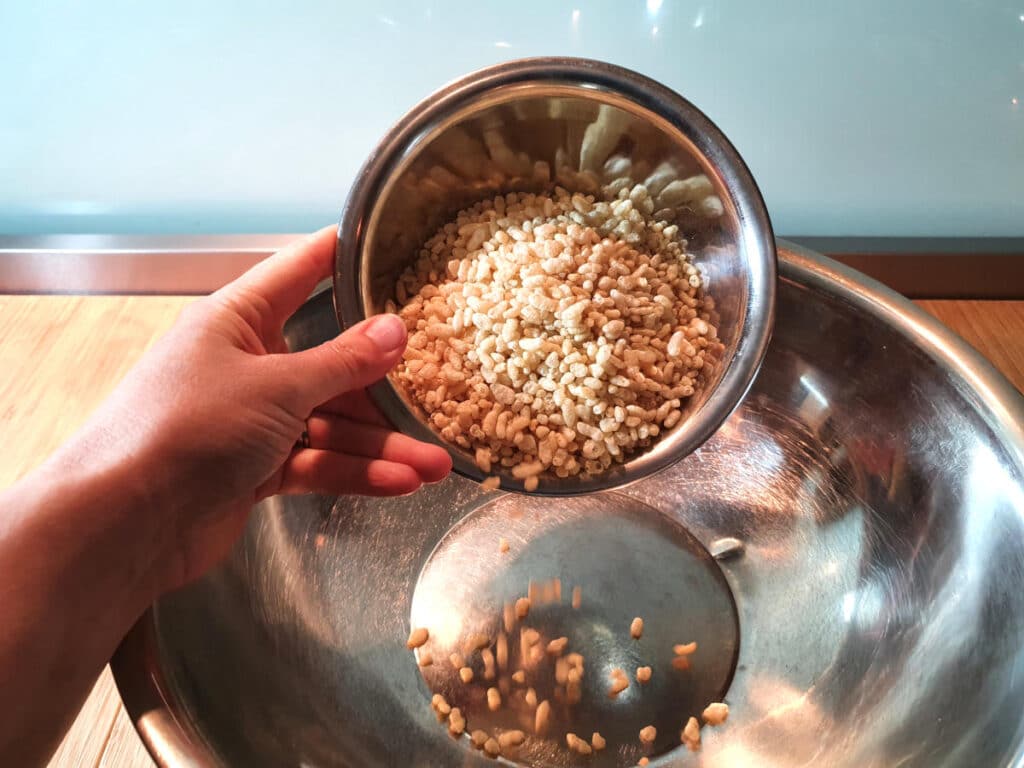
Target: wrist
{"type": "Point", "coordinates": [100, 518]}
{"type": "Point", "coordinates": [78, 572]}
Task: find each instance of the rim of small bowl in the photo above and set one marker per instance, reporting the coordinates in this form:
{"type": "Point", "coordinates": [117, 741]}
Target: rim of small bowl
{"type": "Point", "coordinates": [755, 231]}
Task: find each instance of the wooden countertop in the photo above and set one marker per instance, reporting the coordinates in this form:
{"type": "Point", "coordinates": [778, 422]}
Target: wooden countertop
{"type": "Point", "coordinates": [63, 354]}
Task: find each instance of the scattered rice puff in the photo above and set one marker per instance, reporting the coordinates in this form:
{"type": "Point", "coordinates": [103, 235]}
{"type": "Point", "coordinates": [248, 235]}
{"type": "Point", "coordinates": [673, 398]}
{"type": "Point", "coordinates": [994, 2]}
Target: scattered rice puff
{"type": "Point", "coordinates": [578, 745]}
{"type": "Point", "coordinates": [558, 645]}
{"type": "Point", "coordinates": [456, 722]}
{"type": "Point", "coordinates": [715, 713]}
{"type": "Point", "coordinates": [511, 739]}
{"type": "Point", "coordinates": [492, 747]}
{"type": "Point", "coordinates": [522, 608]}
{"type": "Point", "coordinates": [478, 738]}
{"type": "Point", "coordinates": [619, 683]}
{"type": "Point", "coordinates": [440, 706]}
{"type": "Point", "coordinates": [417, 638]}
{"type": "Point", "coordinates": [691, 735]}
{"type": "Point", "coordinates": [542, 718]}
{"type": "Point", "coordinates": [493, 699]}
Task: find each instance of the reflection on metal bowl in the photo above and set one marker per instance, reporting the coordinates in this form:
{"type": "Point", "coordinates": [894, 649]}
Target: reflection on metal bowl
{"type": "Point", "coordinates": [867, 506]}
{"type": "Point", "coordinates": [592, 128]}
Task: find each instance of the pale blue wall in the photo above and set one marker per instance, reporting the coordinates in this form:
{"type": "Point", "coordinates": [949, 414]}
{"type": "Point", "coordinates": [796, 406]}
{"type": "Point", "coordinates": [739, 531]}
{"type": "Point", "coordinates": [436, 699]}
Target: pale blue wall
{"type": "Point", "coordinates": [876, 117]}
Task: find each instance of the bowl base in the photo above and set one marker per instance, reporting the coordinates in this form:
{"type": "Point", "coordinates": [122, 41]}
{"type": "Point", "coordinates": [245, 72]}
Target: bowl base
{"type": "Point", "coordinates": [628, 560]}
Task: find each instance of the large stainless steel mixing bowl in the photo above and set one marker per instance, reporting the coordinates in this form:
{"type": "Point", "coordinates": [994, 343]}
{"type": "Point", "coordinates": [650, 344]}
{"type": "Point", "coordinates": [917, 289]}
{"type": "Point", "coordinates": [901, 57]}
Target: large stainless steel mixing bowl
{"type": "Point", "coordinates": [867, 506]}
{"type": "Point", "coordinates": [593, 128]}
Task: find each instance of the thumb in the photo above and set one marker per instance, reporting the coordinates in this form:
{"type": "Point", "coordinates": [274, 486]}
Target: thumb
{"type": "Point", "coordinates": [358, 357]}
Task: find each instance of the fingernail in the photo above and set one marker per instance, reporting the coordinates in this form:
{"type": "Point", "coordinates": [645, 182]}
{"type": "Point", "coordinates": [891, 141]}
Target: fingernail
{"type": "Point", "coordinates": [387, 332]}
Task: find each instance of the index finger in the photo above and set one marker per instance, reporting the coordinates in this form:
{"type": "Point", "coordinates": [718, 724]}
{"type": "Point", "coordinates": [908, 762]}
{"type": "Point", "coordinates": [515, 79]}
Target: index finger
{"type": "Point", "coordinates": [287, 278]}
{"type": "Point", "coordinates": [358, 406]}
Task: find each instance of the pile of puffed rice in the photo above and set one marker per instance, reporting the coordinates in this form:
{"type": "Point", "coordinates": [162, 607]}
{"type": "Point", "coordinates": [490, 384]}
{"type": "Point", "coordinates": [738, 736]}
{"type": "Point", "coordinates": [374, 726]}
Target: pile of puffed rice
{"type": "Point", "coordinates": [555, 333]}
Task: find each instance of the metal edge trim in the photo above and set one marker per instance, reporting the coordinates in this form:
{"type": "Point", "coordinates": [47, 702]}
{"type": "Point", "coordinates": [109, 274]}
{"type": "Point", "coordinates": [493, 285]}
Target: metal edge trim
{"type": "Point", "coordinates": [127, 264]}
{"type": "Point", "coordinates": [997, 395]}
{"type": "Point", "coordinates": [930, 267]}
{"type": "Point", "coordinates": [165, 729]}
{"type": "Point", "coordinates": [941, 268]}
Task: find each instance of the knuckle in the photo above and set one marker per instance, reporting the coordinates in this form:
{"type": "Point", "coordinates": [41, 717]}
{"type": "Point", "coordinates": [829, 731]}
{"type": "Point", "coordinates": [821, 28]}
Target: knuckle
{"type": "Point", "coordinates": [348, 360]}
{"type": "Point", "coordinates": [196, 311]}
{"type": "Point", "coordinates": [252, 307]}
{"type": "Point", "coordinates": [293, 392]}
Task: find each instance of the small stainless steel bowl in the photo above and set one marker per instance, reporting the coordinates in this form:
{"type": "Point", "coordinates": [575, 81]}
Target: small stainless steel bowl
{"type": "Point", "coordinates": [483, 134]}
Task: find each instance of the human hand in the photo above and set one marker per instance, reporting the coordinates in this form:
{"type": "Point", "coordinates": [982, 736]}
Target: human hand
{"type": "Point", "coordinates": [158, 484]}
{"type": "Point", "coordinates": [209, 419]}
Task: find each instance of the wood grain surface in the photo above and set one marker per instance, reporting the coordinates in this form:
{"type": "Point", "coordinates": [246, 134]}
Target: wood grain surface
{"type": "Point", "coordinates": [61, 355]}
{"type": "Point", "coordinates": [994, 328]}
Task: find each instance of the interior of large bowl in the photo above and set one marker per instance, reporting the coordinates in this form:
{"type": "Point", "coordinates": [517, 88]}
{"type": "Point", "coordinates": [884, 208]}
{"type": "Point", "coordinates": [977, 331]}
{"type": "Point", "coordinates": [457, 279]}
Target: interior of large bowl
{"type": "Point", "coordinates": [590, 136]}
{"type": "Point", "coordinates": [873, 480]}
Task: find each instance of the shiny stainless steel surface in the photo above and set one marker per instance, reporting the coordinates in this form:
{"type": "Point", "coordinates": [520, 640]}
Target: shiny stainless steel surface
{"type": "Point", "coordinates": [866, 503]}
{"type": "Point", "coordinates": [944, 268]}
{"type": "Point", "coordinates": [592, 126]}
{"type": "Point", "coordinates": [133, 264]}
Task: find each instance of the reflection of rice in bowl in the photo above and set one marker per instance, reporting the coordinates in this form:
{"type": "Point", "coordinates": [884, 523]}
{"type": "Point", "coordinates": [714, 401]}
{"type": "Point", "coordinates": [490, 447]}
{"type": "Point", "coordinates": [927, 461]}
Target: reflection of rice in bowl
{"type": "Point", "coordinates": [595, 131]}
